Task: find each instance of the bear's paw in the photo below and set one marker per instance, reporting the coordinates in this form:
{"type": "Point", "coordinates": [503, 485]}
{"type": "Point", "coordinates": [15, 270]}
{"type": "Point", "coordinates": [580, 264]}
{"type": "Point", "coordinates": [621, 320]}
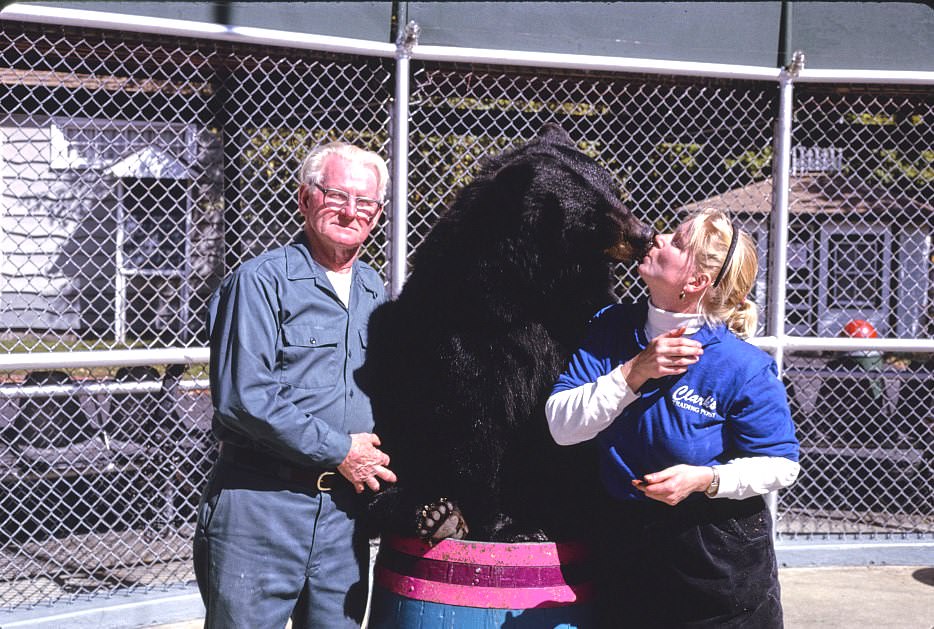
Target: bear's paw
{"type": "Point", "coordinates": [441, 520]}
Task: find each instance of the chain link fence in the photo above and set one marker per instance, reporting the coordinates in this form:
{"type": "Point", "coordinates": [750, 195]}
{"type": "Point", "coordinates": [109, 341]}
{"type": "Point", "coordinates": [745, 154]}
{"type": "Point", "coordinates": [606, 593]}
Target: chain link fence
{"type": "Point", "coordinates": [137, 170]}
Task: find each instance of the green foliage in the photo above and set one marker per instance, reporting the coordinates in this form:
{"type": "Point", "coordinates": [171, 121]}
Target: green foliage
{"type": "Point", "coordinates": [870, 119]}
{"type": "Point", "coordinates": [754, 164]}
{"type": "Point", "coordinates": [673, 154]}
{"type": "Point", "coordinates": [895, 166]}
{"type": "Point", "coordinates": [910, 169]}
{"type": "Point", "coordinates": [576, 109]}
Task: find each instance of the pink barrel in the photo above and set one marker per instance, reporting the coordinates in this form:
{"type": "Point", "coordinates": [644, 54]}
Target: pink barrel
{"type": "Point", "coordinates": [481, 584]}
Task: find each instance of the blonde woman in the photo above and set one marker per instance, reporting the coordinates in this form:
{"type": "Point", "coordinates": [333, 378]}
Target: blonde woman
{"type": "Point", "coordinates": [692, 426]}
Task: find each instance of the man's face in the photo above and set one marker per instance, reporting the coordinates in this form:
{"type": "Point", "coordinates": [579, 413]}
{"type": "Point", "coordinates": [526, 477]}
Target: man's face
{"type": "Point", "coordinates": [340, 217]}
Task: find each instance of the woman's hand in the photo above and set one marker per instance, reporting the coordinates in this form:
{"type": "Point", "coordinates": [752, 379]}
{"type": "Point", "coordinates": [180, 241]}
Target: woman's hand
{"type": "Point", "coordinates": [674, 484]}
{"type": "Point", "coordinates": [667, 354]}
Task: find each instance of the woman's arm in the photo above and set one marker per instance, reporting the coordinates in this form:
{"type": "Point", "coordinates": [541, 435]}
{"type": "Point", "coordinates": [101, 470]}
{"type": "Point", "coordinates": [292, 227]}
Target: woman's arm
{"type": "Point", "coordinates": [738, 479]}
{"type": "Point", "coordinates": [755, 475]}
{"type": "Point", "coordinates": [578, 414]}
{"type": "Point", "coordinates": [759, 428]}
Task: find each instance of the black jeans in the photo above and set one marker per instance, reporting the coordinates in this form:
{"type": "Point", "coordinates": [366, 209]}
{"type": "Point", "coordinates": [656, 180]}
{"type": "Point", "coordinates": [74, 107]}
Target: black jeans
{"type": "Point", "coordinates": [702, 563]}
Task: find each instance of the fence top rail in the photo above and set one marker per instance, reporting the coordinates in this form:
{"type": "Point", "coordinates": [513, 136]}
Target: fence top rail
{"type": "Point", "coordinates": [105, 358]}
{"type": "Point", "coordinates": [286, 39]}
{"type": "Point", "coordinates": [201, 355]}
{"type": "Point", "coordinates": [887, 77]}
{"type": "Point", "coordinates": [594, 62]}
{"type": "Point", "coordinates": [808, 343]}
{"type": "Point", "coordinates": [10, 392]}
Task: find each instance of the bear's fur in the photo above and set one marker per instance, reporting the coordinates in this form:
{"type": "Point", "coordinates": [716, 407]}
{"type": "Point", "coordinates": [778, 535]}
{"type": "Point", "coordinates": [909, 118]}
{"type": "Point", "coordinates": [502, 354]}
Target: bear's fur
{"type": "Point", "coordinates": [460, 365]}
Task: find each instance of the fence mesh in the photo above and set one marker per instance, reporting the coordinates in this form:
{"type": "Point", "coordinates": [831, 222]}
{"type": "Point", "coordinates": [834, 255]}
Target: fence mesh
{"type": "Point", "coordinates": [101, 470]}
{"type": "Point", "coordinates": [138, 170]}
{"type": "Point", "coordinates": [137, 173]}
{"type": "Point", "coordinates": [860, 265]}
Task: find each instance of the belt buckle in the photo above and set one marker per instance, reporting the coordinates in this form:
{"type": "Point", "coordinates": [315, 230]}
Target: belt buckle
{"type": "Point", "coordinates": [321, 478]}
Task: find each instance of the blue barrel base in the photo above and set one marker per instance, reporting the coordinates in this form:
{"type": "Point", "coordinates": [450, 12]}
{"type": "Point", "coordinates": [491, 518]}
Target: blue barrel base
{"type": "Point", "coordinates": [392, 611]}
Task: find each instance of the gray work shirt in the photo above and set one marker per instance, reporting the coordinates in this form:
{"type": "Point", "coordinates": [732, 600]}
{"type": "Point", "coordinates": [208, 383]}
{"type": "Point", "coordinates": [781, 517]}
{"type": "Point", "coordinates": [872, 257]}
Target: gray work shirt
{"type": "Point", "coordinates": [284, 349]}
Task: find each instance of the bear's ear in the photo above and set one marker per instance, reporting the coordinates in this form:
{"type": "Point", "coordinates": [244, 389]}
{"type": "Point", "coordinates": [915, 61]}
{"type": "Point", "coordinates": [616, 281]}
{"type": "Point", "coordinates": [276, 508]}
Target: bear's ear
{"type": "Point", "coordinates": [554, 133]}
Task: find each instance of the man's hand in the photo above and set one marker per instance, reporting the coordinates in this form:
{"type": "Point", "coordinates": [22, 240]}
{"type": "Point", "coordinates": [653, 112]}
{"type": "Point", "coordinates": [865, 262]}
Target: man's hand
{"type": "Point", "coordinates": [674, 484]}
{"type": "Point", "coordinates": [666, 355]}
{"type": "Point", "coordinates": [365, 463]}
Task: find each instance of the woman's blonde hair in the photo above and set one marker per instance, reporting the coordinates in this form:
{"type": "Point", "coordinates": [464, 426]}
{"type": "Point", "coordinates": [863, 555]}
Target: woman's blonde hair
{"type": "Point", "coordinates": [727, 302]}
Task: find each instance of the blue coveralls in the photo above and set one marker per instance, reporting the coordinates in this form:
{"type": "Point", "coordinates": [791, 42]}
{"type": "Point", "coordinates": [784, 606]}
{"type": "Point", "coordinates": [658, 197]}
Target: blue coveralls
{"type": "Point", "coordinates": [284, 349]}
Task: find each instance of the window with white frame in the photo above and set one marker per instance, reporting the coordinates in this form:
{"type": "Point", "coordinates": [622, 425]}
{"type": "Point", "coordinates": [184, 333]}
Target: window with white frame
{"type": "Point", "coordinates": [855, 276]}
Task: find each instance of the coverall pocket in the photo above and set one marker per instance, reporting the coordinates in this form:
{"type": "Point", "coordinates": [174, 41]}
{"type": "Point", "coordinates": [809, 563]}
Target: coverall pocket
{"type": "Point", "coordinates": [208, 508]}
{"type": "Point", "coordinates": [311, 356]}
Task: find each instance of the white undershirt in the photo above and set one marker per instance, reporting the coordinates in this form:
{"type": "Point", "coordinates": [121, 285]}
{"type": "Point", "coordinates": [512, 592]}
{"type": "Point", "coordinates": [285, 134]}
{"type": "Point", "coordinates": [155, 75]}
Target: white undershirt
{"type": "Point", "coordinates": [580, 414]}
{"type": "Point", "coordinates": [340, 281]}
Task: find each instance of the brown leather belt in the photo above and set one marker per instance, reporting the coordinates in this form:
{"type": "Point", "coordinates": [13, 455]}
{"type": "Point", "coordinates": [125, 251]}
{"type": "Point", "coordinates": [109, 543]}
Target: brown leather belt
{"type": "Point", "coordinates": [320, 478]}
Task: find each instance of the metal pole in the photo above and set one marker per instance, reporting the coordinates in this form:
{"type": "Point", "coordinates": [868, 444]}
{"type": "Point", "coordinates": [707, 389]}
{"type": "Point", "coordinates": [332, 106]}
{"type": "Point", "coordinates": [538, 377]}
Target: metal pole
{"type": "Point", "coordinates": [120, 272]}
{"type": "Point", "coordinates": [781, 183]}
{"type": "Point", "coordinates": [398, 232]}
{"type": "Point", "coordinates": [778, 249]}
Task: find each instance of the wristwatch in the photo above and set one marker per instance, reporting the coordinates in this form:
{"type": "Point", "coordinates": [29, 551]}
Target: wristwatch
{"type": "Point", "coordinates": [714, 486]}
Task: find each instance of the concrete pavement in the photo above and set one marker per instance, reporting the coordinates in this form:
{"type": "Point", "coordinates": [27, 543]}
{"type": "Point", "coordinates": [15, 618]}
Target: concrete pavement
{"type": "Point", "coordinates": [891, 597]}
{"type": "Point", "coordinates": [852, 597]}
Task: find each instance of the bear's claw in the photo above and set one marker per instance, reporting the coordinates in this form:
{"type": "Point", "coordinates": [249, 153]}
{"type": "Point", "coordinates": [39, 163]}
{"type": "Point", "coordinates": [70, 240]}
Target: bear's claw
{"type": "Point", "coordinates": [440, 520]}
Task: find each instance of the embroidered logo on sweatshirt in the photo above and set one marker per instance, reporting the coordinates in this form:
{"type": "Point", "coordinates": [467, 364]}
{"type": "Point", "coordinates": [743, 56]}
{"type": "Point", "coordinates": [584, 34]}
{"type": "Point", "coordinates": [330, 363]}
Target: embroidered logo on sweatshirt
{"type": "Point", "coordinates": [685, 397]}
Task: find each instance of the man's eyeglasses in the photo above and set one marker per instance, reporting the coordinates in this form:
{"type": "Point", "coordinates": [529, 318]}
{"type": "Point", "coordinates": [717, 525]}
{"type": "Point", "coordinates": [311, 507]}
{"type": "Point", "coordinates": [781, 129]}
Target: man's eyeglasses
{"type": "Point", "coordinates": [338, 199]}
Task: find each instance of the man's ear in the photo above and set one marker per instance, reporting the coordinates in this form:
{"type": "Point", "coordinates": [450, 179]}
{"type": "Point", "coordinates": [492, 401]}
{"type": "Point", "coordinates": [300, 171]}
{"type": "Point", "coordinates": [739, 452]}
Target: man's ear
{"type": "Point", "coordinates": [304, 191]}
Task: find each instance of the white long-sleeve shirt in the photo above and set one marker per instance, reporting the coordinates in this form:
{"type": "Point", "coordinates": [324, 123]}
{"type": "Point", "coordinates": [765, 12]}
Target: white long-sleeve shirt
{"type": "Point", "coordinates": [580, 414]}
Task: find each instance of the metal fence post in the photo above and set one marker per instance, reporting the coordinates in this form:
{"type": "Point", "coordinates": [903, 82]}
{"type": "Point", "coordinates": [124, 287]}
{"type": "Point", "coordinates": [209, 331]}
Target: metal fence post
{"type": "Point", "coordinates": [398, 233]}
{"type": "Point", "coordinates": [778, 248]}
{"type": "Point", "coordinates": [781, 182]}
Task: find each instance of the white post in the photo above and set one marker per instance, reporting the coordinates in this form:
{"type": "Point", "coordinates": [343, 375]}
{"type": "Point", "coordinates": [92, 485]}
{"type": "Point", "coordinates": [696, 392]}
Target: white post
{"type": "Point", "coordinates": [398, 210]}
{"type": "Point", "coordinates": [778, 249]}
{"type": "Point", "coordinates": [120, 279]}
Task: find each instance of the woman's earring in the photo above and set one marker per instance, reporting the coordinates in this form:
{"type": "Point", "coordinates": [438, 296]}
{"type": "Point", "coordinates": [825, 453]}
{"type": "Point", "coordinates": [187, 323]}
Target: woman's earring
{"type": "Point", "coordinates": [681, 296]}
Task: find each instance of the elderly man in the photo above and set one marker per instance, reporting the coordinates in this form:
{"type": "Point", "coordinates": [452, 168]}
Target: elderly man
{"type": "Point", "coordinates": [276, 535]}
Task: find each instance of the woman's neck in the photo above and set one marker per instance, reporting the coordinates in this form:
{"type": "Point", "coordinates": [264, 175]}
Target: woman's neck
{"type": "Point", "coordinates": [660, 321]}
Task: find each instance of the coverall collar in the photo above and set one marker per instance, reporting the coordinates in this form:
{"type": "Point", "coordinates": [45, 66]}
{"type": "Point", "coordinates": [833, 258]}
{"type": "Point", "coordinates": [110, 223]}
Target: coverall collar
{"type": "Point", "coordinates": [300, 265]}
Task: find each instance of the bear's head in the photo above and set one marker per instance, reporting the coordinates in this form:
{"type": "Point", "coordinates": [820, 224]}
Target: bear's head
{"type": "Point", "coordinates": [538, 222]}
{"type": "Point", "coordinates": [564, 183]}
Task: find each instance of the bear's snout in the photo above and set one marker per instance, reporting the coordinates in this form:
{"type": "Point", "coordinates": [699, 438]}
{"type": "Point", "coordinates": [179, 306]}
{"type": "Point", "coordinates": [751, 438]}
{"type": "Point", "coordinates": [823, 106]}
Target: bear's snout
{"type": "Point", "coordinates": [637, 239]}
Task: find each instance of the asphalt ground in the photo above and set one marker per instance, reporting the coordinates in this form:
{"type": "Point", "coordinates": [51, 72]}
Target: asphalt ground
{"type": "Point", "coordinates": [871, 597]}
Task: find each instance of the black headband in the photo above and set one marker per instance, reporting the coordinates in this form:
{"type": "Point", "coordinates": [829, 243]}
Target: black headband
{"type": "Point", "coordinates": [729, 254]}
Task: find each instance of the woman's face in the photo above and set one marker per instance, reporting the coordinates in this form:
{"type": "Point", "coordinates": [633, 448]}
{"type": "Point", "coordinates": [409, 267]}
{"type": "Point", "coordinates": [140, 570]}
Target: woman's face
{"type": "Point", "coordinates": [667, 266]}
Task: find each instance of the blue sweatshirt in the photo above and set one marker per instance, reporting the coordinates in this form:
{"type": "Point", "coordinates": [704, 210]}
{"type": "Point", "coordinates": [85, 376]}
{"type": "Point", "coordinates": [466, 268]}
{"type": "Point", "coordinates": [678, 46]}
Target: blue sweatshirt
{"type": "Point", "coordinates": [730, 404]}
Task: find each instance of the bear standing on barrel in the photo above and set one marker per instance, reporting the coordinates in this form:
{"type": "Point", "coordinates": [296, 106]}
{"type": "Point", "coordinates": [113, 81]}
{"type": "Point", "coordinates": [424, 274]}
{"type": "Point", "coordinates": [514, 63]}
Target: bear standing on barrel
{"type": "Point", "coordinates": [459, 366]}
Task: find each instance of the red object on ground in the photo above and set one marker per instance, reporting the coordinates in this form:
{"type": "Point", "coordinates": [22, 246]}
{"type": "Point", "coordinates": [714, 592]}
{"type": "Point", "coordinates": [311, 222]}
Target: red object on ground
{"type": "Point", "coordinates": [860, 329]}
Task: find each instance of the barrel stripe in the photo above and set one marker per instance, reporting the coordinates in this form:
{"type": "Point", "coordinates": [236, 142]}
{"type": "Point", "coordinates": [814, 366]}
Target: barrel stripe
{"type": "Point", "coordinates": [491, 553]}
{"type": "Point", "coordinates": [482, 597]}
{"type": "Point", "coordinates": [483, 574]}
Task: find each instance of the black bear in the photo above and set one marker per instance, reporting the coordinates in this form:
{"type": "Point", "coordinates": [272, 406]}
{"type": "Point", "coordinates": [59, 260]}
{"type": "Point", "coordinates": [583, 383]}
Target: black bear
{"type": "Point", "coordinates": [460, 365]}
